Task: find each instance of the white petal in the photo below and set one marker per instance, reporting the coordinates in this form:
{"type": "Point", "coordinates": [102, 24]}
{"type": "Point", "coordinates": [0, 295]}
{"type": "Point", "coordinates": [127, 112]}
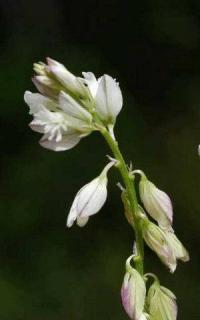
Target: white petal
{"type": "Point", "coordinates": [176, 246]}
{"type": "Point", "coordinates": [68, 142]}
{"type": "Point", "coordinates": [73, 213]}
{"type": "Point", "coordinates": [36, 127]}
{"type": "Point", "coordinates": [72, 108]}
{"type": "Point", "coordinates": [92, 197]}
{"type": "Point", "coordinates": [108, 99]}
{"type": "Point", "coordinates": [37, 102]}
{"type": "Point", "coordinates": [91, 82]}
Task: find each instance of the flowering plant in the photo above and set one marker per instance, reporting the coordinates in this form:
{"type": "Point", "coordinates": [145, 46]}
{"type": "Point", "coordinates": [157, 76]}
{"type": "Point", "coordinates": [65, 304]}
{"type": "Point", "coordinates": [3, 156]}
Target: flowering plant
{"type": "Point", "coordinates": [67, 109]}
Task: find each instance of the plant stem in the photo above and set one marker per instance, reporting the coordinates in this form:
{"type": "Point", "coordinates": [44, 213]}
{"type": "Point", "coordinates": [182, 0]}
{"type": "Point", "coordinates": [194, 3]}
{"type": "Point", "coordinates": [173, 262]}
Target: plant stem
{"type": "Point", "coordinates": [131, 193]}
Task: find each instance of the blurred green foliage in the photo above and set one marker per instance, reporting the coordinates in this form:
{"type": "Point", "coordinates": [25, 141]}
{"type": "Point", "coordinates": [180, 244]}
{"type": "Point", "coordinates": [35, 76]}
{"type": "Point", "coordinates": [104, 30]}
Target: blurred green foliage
{"type": "Point", "coordinates": [48, 272]}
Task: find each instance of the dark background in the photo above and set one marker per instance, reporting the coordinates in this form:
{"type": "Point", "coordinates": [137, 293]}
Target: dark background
{"type": "Point", "coordinates": [153, 48]}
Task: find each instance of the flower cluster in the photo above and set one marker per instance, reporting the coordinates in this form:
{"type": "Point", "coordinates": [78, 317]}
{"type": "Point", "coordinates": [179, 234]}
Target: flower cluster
{"type": "Point", "coordinates": [69, 108]}
{"type": "Point", "coordinates": [159, 302]}
{"type": "Point", "coordinates": [159, 237]}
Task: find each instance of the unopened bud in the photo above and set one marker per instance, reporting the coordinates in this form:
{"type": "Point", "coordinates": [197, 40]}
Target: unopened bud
{"type": "Point", "coordinates": [72, 84]}
{"type": "Point", "coordinates": [176, 246]}
{"type": "Point", "coordinates": [156, 239]}
{"type": "Point", "coordinates": [47, 86]}
{"type": "Point", "coordinates": [161, 303]}
{"type": "Point", "coordinates": [156, 202]}
{"type": "Point", "coordinates": [133, 294]}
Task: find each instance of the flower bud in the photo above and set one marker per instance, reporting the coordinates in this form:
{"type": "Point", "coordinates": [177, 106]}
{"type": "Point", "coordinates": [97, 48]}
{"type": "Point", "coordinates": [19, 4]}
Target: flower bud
{"type": "Point", "coordinates": [71, 83]}
{"type": "Point", "coordinates": [156, 202]}
{"type": "Point", "coordinates": [89, 199]}
{"type": "Point", "coordinates": [176, 246]}
{"type": "Point", "coordinates": [108, 100]}
{"type": "Point", "coordinates": [161, 303]}
{"type": "Point", "coordinates": [133, 294]}
{"type": "Point", "coordinates": [156, 239]}
{"type": "Point", "coordinates": [47, 86]}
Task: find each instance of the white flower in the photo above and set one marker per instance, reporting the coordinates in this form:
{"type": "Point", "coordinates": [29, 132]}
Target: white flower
{"type": "Point", "coordinates": [63, 123]}
{"type": "Point", "coordinates": [133, 294]}
{"type": "Point", "coordinates": [108, 99]}
{"type": "Point", "coordinates": [89, 199]}
{"type": "Point", "coordinates": [156, 202]}
{"type": "Point", "coordinates": [161, 303]}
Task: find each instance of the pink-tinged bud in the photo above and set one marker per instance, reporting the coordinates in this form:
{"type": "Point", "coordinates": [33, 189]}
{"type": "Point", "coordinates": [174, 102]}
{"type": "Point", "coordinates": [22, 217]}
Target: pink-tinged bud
{"type": "Point", "coordinates": [157, 240]}
{"type": "Point", "coordinates": [161, 303]}
{"type": "Point", "coordinates": [47, 86]}
{"type": "Point", "coordinates": [156, 202]}
{"type": "Point", "coordinates": [133, 294]}
{"type": "Point", "coordinates": [71, 83]}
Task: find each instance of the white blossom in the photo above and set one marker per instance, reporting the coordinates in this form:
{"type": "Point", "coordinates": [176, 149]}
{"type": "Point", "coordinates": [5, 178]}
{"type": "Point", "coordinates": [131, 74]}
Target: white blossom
{"type": "Point", "coordinates": [63, 123]}
{"type": "Point", "coordinates": [89, 199]}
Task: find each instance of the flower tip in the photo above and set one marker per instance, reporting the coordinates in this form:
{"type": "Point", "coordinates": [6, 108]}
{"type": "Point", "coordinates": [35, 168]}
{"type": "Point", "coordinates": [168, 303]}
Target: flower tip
{"type": "Point", "coordinates": [69, 222]}
{"type": "Point", "coordinates": [26, 94]}
{"type": "Point", "coordinates": [51, 61]}
{"type": "Point", "coordinates": [172, 267]}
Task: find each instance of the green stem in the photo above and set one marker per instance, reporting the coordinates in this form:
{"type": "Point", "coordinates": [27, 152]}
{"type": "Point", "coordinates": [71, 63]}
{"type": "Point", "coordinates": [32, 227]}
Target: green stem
{"type": "Point", "coordinates": [130, 188]}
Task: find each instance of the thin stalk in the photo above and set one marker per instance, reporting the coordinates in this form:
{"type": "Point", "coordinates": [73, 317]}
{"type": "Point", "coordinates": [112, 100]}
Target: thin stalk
{"type": "Point", "coordinates": [131, 193]}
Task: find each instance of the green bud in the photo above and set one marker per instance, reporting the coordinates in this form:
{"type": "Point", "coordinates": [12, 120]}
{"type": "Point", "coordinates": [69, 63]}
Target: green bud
{"type": "Point", "coordinates": [161, 303]}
